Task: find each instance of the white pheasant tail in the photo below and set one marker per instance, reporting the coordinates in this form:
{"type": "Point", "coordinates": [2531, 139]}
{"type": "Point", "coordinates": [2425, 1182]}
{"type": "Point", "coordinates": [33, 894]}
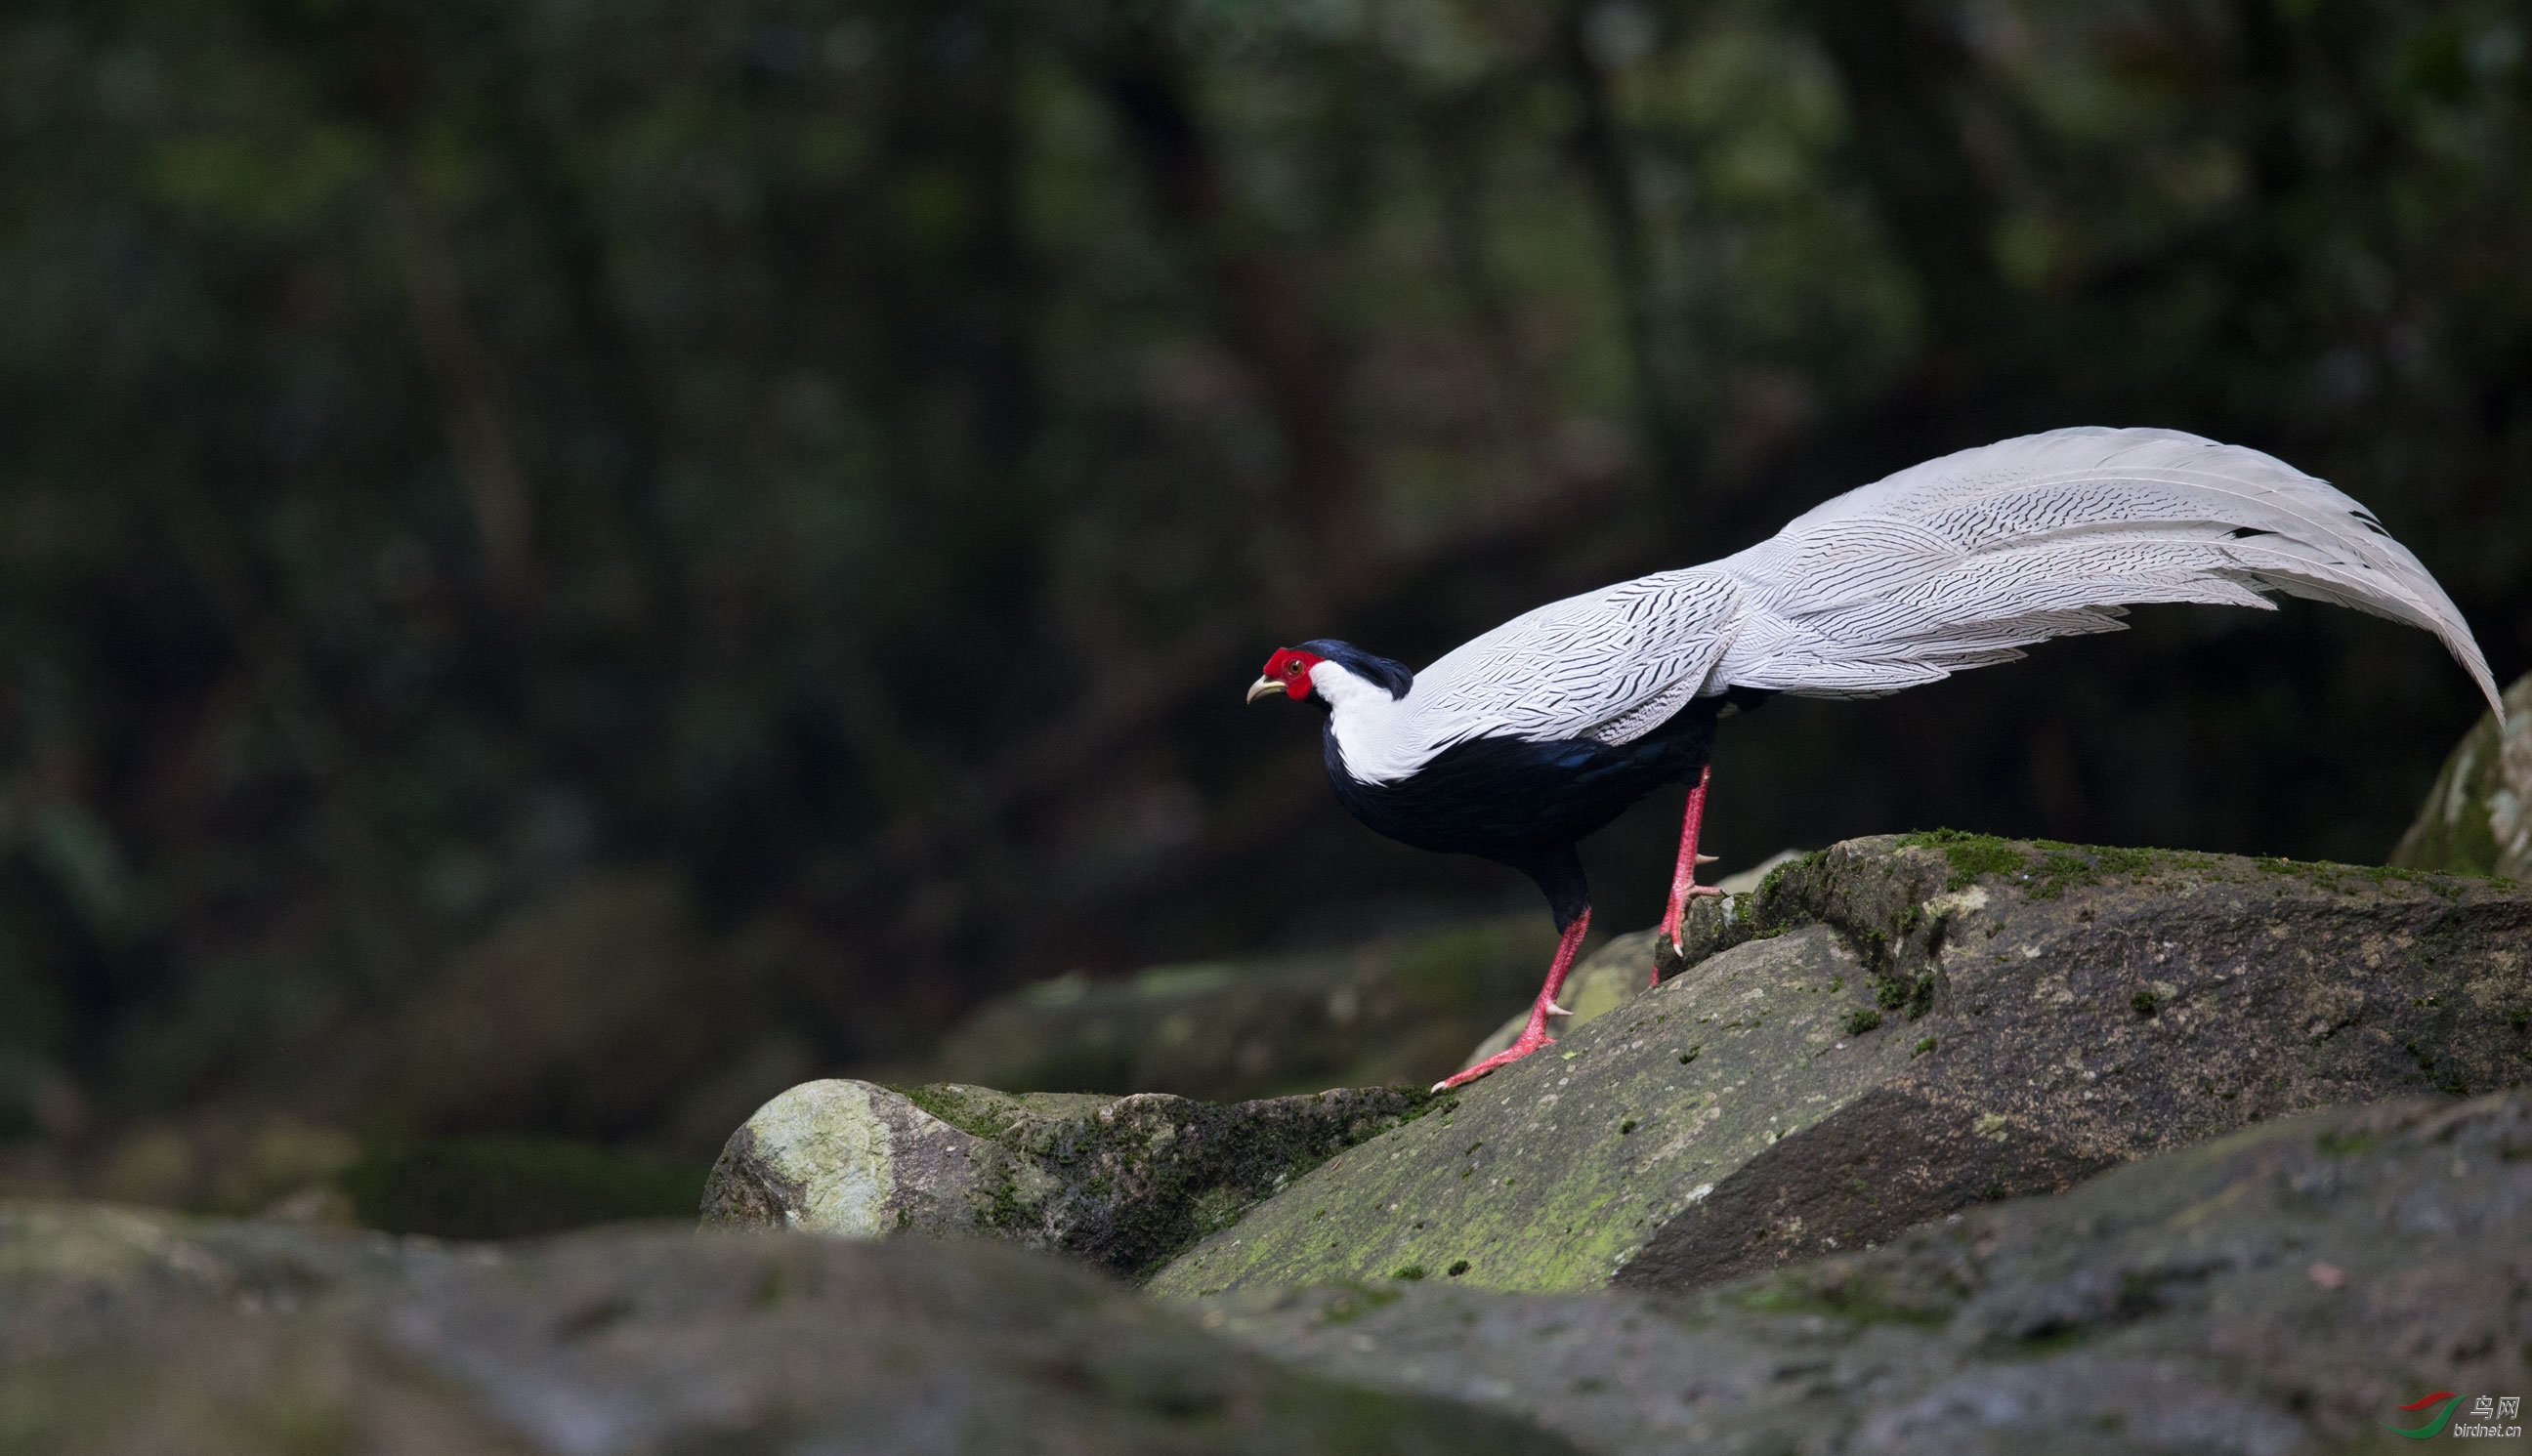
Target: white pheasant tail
{"type": "Point", "coordinates": [1956, 563]}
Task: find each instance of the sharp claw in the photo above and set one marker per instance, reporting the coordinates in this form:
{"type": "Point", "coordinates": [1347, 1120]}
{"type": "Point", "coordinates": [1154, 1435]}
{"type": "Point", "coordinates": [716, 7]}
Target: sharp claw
{"type": "Point", "coordinates": [1708, 859]}
{"type": "Point", "coordinates": [1503, 1058]}
{"type": "Point", "coordinates": [1555, 1010]}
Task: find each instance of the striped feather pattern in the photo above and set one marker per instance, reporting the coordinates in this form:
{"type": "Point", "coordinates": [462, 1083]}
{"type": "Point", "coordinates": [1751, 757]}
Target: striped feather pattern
{"type": "Point", "coordinates": [1956, 563]}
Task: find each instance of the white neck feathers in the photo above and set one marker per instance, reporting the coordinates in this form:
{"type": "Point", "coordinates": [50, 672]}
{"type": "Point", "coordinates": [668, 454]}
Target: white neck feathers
{"type": "Point", "coordinates": [1372, 729]}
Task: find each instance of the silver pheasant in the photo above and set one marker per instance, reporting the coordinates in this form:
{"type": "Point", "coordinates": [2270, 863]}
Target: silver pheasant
{"type": "Point", "coordinates": [1517, 743]}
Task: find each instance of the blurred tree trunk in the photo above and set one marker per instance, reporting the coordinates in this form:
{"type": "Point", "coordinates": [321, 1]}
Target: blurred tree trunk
{"type": "Point", "coordinates": [1459, 135]}
{"type": "Point", "coordinates": [1258, 290]}
{"type": "Point", "coordinates": [1912, 86]}
{"type": "Point", "coordinates": [1654, 352]}
{"type": "Point", "coordinates": [480, 440]}
{"type": "Point", "coordinates": [945, 271]}
{"type": "Point", "coordinates": [384, 51]}
{"type": "Point", "coordinates": [368, 906]}
{"type": "Point", "coordinates": [619, 526]}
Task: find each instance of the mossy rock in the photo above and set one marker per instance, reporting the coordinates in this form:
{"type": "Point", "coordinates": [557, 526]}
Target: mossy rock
{"type": "Point", "coordinates": [2478, 818]}
{"type": "Point", "coordinates": [1900, 1028]}
{"type": "Point", "coordinates": [1123, 1182]}
{"type": "Point", "coordinates": [2289, 1288]}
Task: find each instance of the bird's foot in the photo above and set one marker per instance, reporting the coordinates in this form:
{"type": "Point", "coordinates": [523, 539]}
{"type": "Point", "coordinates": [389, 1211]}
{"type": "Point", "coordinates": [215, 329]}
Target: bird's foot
{"type": "Point", "coordinates": [1532, 1036]}
{"type": "Point", "coordinates": [1675, 925]}
{"type": "Point", "coordinates": [1504, 1057]}
{"type": "Point", "coordinates": [1683, 876]}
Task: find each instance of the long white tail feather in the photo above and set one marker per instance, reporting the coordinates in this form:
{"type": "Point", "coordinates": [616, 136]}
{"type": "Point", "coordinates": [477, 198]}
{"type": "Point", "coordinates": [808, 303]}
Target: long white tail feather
{"type": "Point", "coordinates": [1933, 568]}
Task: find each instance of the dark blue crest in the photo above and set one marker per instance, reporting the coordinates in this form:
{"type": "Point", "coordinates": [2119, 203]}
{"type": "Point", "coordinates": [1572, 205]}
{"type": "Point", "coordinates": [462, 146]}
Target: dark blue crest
{"type": "Point", "coordinates": [1395, 676]}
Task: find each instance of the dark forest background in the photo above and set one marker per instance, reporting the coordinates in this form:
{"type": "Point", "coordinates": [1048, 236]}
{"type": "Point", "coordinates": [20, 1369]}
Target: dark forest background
{"type": "Point", "coordinates": [564, 565]}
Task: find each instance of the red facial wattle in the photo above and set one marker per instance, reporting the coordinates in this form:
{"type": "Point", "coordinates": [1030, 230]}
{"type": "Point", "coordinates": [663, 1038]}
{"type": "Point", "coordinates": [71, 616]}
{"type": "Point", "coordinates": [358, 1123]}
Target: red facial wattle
{"type": "Point", "coordinates": [1290, 670]}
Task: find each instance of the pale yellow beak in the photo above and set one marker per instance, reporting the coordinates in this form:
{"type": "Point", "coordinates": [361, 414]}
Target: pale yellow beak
{"type": "Point", "coordinates": [1262, 687]}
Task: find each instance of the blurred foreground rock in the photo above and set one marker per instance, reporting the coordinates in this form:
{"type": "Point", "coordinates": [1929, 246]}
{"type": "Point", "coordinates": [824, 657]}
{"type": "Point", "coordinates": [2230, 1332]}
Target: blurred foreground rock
{"type": "Point", "coordinates": [1123, 1182]}
{"type": "Point", "coordinates": [156, 1335]}
{"type": "Point", "coordinates": [2478, 818]}
{"type": "Point", "coordinates": [2282, 1290]}
{"type": "Point", "coordinates": [1897, 1028]}
{"type": "Point", "coordinates": [1396, 1011]}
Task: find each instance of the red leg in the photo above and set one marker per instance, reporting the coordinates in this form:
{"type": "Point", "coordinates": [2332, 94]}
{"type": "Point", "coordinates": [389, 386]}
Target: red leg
{"type": "Point", "coordinates": [1533, 1035]}
{"type": "Point", "coordinates": [1683, 878]}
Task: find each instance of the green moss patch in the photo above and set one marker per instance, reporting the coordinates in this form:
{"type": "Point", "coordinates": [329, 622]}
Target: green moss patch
{"type": "Point", "coordinates": [2045, 869]}
{"type": "Point", "coordinates": [1971, 855]}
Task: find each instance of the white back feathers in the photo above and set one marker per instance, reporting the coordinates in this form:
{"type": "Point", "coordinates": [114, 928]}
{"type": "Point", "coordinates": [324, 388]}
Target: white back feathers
{"type": "Point", "coordinates": [1959, 562]}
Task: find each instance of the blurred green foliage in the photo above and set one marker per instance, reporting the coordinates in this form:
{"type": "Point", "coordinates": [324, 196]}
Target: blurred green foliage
{"type": "Point", "coordinates": [844, 458]}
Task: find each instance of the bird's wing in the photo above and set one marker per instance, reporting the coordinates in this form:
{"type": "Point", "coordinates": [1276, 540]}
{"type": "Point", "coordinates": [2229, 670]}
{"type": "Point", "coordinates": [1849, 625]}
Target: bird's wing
{"type": "Point", "coordinates": [1611, 664]}
{"type": "Point", "coordinates": [1962, 561]}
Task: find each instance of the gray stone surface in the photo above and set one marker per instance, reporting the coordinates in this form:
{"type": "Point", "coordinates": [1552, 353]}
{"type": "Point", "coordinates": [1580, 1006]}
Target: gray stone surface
{"type": "Point", "coordinates": [2478, 818]}
{"type": "Point", "coordinates": [153, 1335]}
{"type": "Point", "coordinates": [2280, 1290]}
{"type": "Point", "coordinates": [1123, 1182]}
{"type": "Point", "coordinates": [1897, 1028]}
